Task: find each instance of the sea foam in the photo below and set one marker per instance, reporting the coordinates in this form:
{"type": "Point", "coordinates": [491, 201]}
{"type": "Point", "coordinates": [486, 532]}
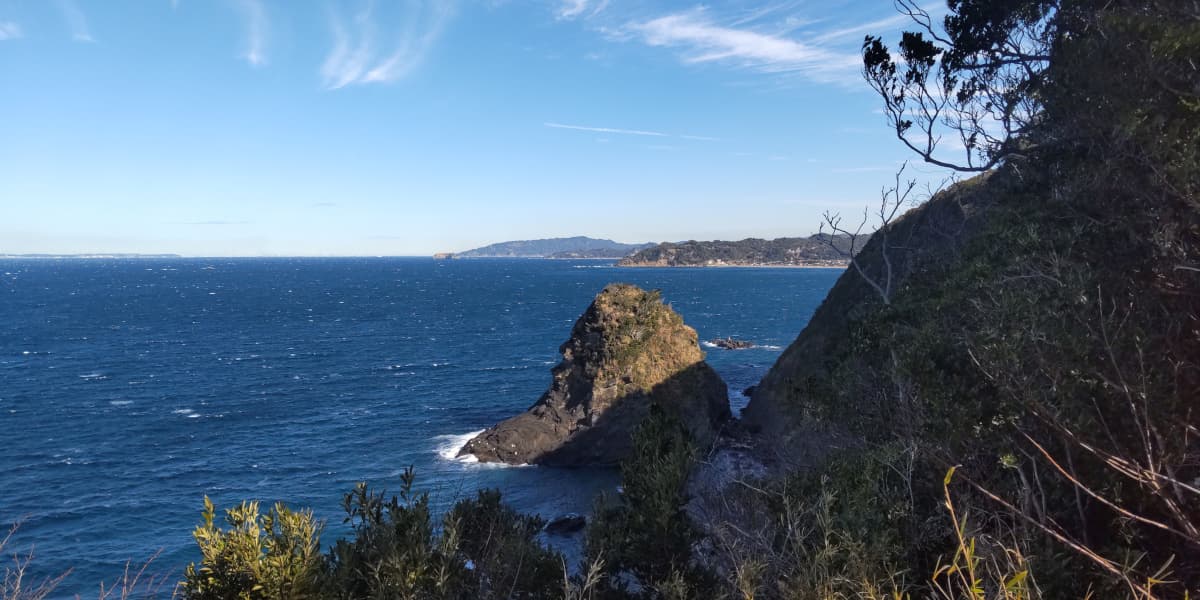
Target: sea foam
{"type": "Point", "coordinates": [448, 446]}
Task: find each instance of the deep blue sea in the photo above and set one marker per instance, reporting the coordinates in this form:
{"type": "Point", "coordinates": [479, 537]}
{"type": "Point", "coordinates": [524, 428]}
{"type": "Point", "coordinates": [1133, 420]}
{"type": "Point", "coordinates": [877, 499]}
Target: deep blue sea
{"type": "Point", "coordinates": [130, 389]}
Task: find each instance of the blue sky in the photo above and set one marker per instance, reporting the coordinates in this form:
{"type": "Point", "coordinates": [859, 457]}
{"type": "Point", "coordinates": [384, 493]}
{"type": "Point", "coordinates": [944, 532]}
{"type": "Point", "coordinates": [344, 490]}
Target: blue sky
{"type": "Point", "coordinates": [260, 127]}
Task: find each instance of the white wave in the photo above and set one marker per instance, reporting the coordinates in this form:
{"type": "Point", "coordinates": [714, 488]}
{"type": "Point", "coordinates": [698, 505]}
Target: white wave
{"type": "Point", "coordinates": [449, 446]}
{"type": "Point", "coordinates": [756, 346]}
{"type": "Point", "coordinates": [509, 368]}
{"type": "Point", "coordinates": [90, 376]}
{"type": "Point", "coordinates": [187, 412]}
{"type": "Point", "coordinates": [121, 402]}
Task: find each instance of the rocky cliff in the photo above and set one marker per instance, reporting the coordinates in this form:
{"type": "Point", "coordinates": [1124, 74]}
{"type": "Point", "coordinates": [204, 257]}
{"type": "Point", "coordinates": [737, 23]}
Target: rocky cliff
{"type": "Point", "coordinates": [627, 352]}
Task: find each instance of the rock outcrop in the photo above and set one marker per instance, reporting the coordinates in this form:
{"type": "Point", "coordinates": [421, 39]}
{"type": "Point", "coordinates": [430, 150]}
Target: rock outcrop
{"type": "Point", "coordinates": [627, 352]}
{"type": "Point", "coordinates": [730, 343]}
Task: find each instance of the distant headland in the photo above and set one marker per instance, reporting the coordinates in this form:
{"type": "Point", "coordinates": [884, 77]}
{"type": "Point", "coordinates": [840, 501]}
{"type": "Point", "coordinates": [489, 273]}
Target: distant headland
{"type": "Point", "coordinates": [814, 251]}
{"type": "Point", "coordinates": [569, 247]}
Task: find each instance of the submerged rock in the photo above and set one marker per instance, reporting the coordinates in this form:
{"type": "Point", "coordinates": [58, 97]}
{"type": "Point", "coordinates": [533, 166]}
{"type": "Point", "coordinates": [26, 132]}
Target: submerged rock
{"type": "Point", "coordinates": [627, 352]}
{"type": "Point", "coordinates": [566, 524]}
{"type": "Point", "coordinates": [730, 343]}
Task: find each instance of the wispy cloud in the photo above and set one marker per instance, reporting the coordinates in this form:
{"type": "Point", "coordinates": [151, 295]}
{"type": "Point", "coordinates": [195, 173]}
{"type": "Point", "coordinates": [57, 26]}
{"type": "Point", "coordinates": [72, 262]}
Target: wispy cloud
{"type": "Point", "coordinates": [76, 21]}
{"type": "Point", "coordinates": [255, 17]}
{"type": "Point", "coordinates": [358, 56]}
{"type": "Point", "coordinates": [608, 130]}
{"type": "Point", "coordinates": [9, 31]}
{"type": "Point", "coordinates": [700, 39]}
{"type": "Point", "coordinates": [856, 32]}
{"type": "Point", "coordinates": [630, 132]}
{"type": "Point", "coordinates": [570, 9]}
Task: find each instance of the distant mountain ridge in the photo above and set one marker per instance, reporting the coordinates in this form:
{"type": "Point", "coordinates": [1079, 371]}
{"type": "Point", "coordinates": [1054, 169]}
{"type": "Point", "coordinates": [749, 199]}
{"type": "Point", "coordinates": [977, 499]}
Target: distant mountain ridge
{"type": "Point", "coordinates": [569, 247]}
{"type": "Point", "coordinates": [812, 251]}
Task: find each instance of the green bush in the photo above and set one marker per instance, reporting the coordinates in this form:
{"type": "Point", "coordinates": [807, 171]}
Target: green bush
{"type": "Point", "coordinates": [502, 543]}
{"type": "Point", "coordinates": [484, 550]}
{"type": "Point", "coordinates": [393, 552]}
{"type": "Point", "coordinates": [646, 533]}
{"type": "Point", "coordinates": [259, 557]}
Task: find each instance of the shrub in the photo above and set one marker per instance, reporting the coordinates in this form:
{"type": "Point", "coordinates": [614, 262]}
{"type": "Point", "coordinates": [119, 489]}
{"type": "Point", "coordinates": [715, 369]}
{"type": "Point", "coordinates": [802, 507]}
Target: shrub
{"type": "Point", "coordinates": [502, 544]}
{"type": "Point", "coordinates": [259, 557]}
{"type": "Point", "coordinates": [393, 552]}
{"type": "Point", "coordinates": [484, 550]}
{"type": "Point", "coordinates": [646, 532]}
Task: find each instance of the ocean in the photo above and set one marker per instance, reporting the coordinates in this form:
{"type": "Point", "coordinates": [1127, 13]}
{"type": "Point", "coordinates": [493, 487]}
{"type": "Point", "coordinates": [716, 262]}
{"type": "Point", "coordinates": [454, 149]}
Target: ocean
{"type": "Point", "coordinates": [130, 389]}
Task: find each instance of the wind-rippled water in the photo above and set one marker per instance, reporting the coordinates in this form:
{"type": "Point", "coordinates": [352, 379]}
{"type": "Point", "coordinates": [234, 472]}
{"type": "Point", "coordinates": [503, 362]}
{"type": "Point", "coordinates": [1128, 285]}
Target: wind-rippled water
{"type": "Point", "coordinates": [129, 389]}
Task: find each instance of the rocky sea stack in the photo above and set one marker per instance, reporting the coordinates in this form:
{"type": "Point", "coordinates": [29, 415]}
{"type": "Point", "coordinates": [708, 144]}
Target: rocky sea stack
{"type": "Point", "coordinates": [627, 352]}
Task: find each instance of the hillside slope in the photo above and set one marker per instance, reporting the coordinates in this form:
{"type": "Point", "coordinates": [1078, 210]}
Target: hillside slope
{"type": "Point", "coordinates": [1046, 352]}
{"type": "Point", "coordinates": [583, 245]}
{"type": "Point", "coordinates": [918, 242]}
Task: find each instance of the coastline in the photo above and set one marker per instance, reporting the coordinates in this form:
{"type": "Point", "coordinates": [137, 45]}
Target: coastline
{"type": "Point", "coordinates": [733, 266]}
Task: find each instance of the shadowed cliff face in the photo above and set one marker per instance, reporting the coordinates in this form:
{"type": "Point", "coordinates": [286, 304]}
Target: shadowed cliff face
{"type": "Point", "coordinates": [626, 352]}
{"type": "Point", "coordinates": [922, 239]}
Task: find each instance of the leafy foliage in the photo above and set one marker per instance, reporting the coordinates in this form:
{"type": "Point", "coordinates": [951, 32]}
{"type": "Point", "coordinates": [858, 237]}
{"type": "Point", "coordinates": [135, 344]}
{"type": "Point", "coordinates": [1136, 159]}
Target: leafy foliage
{"type": "Point", "coordinates": [394, 553]}
{"type": "Point", "coordinates": [259, 557]}
{"type": "Point", "coordinates": [502, 543]}
{"type": "Point", "coordinates": [484, 550]}
{"type": "Point", "coordinates": [646, 532]}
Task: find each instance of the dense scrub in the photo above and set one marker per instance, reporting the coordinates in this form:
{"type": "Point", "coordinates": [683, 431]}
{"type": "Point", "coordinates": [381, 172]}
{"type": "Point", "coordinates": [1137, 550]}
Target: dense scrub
{"type": "Point", "coordinates": [1053, 354]}
{"type": "Point", "coordinates": [482, 550]}
{"type": "Point", "coordinates": [638, 543]}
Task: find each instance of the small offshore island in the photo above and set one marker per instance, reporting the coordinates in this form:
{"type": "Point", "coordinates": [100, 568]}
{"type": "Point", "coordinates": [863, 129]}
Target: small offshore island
{"type": "Point", "coordinates": [627, 353]}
